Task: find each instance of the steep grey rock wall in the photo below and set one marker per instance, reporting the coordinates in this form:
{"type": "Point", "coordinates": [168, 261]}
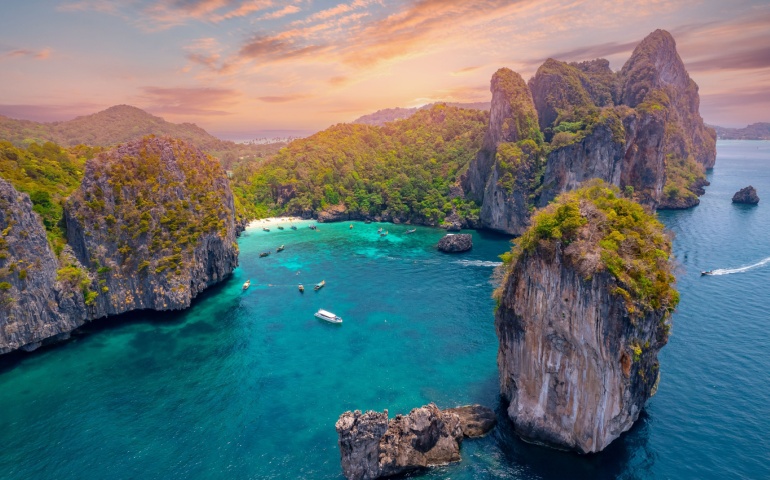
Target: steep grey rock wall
{"type": "Point", "coordinates": [29, 291]}
{"type": "Point", "coordinates": [154, 221]}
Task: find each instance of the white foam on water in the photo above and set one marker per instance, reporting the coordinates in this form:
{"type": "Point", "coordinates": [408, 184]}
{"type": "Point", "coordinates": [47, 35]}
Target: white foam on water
{"type": "Point", "coordinates": [478, 263]}
{"type": "Point", "coordinates": [728, 271]}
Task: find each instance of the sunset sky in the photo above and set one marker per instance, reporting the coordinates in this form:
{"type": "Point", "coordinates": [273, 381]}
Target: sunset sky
{"type": "Point", "coordinates": [241, 67]}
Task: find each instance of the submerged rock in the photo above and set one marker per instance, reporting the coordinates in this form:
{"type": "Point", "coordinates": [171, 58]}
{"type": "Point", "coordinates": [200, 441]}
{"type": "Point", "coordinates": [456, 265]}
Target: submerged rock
{"type": "Point", "coordinates": [475, 420]}
{"type": "Point", "coordinates": [582, 315]}
{"type": "Point", "coordinates": [746, 195]}
{"type": "Point", "coordinates": [371, 447]}
{"type": "Point", "coordinates": [456, 242]}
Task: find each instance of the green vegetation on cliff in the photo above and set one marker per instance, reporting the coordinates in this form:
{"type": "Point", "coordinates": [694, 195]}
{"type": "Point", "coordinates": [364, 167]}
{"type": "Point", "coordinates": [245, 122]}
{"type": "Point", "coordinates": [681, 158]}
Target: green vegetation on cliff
{"type": "Point", "coordinates": [150, 201]}
{"type": "Point", "coordinates": [49, 174]}
{"type": "Point", "coordinates": [598, 230]}
{"type": "Point", "coordinates": [405, 169]}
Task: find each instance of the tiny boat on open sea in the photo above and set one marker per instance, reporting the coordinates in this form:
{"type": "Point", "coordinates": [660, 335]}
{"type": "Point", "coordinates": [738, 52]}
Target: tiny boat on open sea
{"type": "Point", "coordinates": [327, 316]}
{"type": "Point", "coordinates": [247, 284]}
{"type": "Point", "coordinates": [707, 272]}
{"type": "Point", "coordinates": [301, 288]}
{"type": "Point", "coordinates": [319, 285]}
{"type": "Point", "coordinates": [279, 249]}
{"type": "Point", "coordinates": [264, 254]}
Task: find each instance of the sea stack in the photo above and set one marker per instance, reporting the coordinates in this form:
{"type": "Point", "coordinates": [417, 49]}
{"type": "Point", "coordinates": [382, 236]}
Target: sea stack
{"type": "Point", "coordinates": [746, 195]}
{"type": "Point", "coordinates": [583, 312]}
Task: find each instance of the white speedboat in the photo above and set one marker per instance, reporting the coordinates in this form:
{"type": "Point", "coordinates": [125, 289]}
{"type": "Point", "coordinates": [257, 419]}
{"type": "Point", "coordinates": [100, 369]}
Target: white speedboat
{"type": "Point", "coordinates": [327, 316]}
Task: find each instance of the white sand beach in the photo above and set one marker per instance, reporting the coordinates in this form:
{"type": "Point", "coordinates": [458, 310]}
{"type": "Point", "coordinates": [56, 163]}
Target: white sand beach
{"type": "Point", "coordinates": [274, 222]}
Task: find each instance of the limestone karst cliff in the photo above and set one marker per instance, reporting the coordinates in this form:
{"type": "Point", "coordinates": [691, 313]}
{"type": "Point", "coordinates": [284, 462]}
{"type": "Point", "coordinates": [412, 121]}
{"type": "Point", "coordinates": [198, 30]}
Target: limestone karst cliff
{"type": "Point", "coordinates": [36, 302]}
{"type": "Point", "coordinates": [638, 128]}
{"type": "Point", "coordinates": [153, 221]}
{"type": "Point", "coordinates": [150, 227]}
{"type": "Point", "coordinates": [583, 312]}
{"type": "Point", "coordinates": [500, 178]}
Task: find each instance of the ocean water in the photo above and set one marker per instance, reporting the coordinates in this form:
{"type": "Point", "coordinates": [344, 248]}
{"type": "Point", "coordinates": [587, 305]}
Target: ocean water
{"type": "Point", "coordinates": [249, 384]}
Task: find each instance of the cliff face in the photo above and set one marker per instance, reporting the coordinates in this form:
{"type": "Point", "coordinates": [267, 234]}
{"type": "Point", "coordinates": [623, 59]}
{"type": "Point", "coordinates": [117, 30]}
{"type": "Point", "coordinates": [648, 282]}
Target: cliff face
{"type": "Point", "coordinates": [29, 291]}
{"type": "Point", "coordinates": [578, 336]}
{"type": "Point", "coordinates": [637, 128]}
{"type": "Point", "coordinates": [654, 79]}
{"type": "Point", "coordinates": [153, 221]}
{"type": "Point", "coordinates": [151, 226]}
{"type": "Point", "coordinates": [501, 175]}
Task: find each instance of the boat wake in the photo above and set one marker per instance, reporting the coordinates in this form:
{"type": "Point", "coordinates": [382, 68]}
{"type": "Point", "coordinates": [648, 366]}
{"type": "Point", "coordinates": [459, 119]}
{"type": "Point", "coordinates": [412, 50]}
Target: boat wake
{"type": "Point", "coordinates": [728, 271]}
{"type": "Point", "coordinates": [478, 263]}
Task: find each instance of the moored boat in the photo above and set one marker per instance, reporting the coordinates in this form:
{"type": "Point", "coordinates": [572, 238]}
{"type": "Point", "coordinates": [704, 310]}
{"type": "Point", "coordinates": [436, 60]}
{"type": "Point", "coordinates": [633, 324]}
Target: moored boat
{"type": "Point", "coordinates": [319, 285]}
{"type": "Point", "coordinates": [293, 227]}
{"type": "Point", "coordinates": [384, 234]}
{"type": "Point", "coordinates": [411, 231]}
{"type": "Point", "coordinates": [280, 227]}
{"type": "Point", "coordinates": [279, 249]}
{"type": "Point", "coordinates": [265, 229]}
{"type": "Point", "coordinates": [247, 284]}
{"type": "Point", "coordinates": [327, 316]}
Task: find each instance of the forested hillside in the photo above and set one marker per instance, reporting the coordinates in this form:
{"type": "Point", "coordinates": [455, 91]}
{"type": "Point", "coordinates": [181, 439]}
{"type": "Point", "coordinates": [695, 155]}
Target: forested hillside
{"type": "Point", "coordinates": [116, 125]}
{"type": "Point", "coordinates": [404, 171]}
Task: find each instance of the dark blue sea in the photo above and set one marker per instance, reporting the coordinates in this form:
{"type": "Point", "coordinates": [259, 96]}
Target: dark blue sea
{"type": "Point", "coordinates": [249, 384]}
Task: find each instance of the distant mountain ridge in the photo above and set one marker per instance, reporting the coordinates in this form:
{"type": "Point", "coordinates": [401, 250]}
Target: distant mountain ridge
{"type": "Point", "coordinates": [381, 117]}
{"type": "Point", "coordinates": [115, 125]}
{"type": "Point", "coordinates": [755, 131]}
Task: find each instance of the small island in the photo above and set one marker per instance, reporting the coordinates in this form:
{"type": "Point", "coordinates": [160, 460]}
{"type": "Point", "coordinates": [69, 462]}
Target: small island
{"type": "Point", "coordinates": [746, 196]}
{"type": "Point", "coordinates": [583, 311]}
{"type": "Point", "coordinates": [455, 243]}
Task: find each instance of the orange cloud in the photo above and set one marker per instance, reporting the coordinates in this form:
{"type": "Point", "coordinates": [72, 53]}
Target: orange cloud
{"type": "Point", "coordinates": [189, 100]}
{"type": "Point", "coordinates": [287, 10]}
{"type": "Point", "coordinates": [43, 54]}
{"type": "Point", "coordinates": [283, 99]}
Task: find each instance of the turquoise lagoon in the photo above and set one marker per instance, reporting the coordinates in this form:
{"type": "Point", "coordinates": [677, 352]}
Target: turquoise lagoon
{"type": "Point", "coordinates": [249, 384]}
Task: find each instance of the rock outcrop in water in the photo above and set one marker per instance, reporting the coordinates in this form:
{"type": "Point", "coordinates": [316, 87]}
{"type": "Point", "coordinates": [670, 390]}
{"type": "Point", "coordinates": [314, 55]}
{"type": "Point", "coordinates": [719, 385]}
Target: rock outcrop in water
{"type": "Point", "coordinates": [150, 227]}
{"type": "Point", "coordinates": [373, 447]}
{"type": "Point", "coordinates": [638, 129]}
{"type": "Point", "coordinates": [582, 315]}
{"type": "Point", "coordinates": [455, 243]}
{"type": "Point", "coordinates": [746, 195]}
{"type": "Point", "coordinates": [154, 222]}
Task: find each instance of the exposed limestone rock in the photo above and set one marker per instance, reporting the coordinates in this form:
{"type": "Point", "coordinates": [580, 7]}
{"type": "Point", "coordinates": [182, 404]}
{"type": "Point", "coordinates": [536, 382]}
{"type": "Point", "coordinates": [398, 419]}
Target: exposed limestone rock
{"type": "Point", "coordinates": [746, 195]}
{"type": "Point", "coordinates": [29, 291]}
{"type": "Point", "coordinates": [455, 243]}
{"type": "Point", "coordinates": [475, 420]}
{"type": "Point", "coordinates": [371, 447]}
{"type": "Point", "coordinates": [638, 128]}
{"type": "Point", "coordinates": [599, 155]}
{"type": "Point", "coordinates": [578, 352]}
{"type": "Point", "coordinates": [654, 68]}
{"type": "Point", "coordinates": [501, 174]}
{"type": "Point", "coordinates": [154, 222]}
{"type": "Point", "coordinates": [335, 213]}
